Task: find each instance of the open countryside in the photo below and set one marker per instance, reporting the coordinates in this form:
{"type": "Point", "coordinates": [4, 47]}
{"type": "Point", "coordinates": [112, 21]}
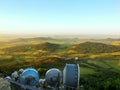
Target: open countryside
{"type": "Point", "coordinates": [99, 59]}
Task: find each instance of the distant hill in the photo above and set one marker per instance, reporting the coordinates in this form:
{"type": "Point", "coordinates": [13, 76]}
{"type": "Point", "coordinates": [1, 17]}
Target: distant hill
{"type": "Point", "coordinates": [32, 39]}
{"type": "Point", "coordinates": [93, 47]}
{"type": "Point", "coordinates": [50, 47]}
{"type": "Point", "coordinates": [87, 47]}
{"type": "Point", "coordinates": [46, 46]}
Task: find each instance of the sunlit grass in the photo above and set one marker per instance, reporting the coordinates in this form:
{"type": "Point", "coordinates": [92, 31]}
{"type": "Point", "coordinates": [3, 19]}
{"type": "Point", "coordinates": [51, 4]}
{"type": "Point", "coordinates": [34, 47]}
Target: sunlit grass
{"type": "Point", "coordinates": [84, 70]}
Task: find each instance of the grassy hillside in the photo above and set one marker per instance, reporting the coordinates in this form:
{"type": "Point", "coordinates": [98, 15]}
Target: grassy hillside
{"type": "Point", "coordinates": [93, 47]}
{"type": "Point", "coordinates": [49, 47]}
{"type": "Point", "coordinates": [29, 53]}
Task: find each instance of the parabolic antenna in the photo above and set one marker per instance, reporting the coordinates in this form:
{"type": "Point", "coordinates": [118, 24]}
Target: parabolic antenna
{"type": "Point", "coordinates": [71, 74]}
{"type": "Point", "coordinates": [53, 76]}
{"type": "Point", "coordinates": [29, 76]}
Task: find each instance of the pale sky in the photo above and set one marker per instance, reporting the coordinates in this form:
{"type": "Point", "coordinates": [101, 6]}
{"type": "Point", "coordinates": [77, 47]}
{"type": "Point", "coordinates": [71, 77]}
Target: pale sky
{"type": "Point", "coordinates": [60, 16]}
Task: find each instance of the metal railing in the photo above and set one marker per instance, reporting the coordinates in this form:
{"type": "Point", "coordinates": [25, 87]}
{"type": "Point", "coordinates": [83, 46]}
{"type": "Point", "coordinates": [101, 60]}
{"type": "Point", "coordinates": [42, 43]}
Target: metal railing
{"type": "Point", "coordinates": [70, 88]}
{"type": "Point", "coordinates": [18, 86]}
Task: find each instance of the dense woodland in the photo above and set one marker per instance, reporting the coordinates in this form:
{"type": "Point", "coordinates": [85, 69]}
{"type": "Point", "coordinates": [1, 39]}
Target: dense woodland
{"type": "Point", "coordinates": [99, 61]}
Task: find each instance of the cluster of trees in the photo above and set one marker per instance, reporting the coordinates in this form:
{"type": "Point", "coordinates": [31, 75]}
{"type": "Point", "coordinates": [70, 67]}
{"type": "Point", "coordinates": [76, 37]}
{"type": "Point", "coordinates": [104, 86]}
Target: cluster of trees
{"type": "Point", "coordinates": [42, 64]}
{"type": "Point", "coordinates": [103, 80]}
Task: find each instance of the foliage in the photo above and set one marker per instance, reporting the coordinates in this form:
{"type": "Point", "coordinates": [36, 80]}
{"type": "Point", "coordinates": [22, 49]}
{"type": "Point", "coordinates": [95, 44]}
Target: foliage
{"type": "Point", "coordinates": [103, 80]}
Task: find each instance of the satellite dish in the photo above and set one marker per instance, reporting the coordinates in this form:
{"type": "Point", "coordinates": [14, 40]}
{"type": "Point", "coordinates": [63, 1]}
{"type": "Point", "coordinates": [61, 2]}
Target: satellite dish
{"type": "Point", "coordinates": [71, 76]}
{"type": "Point", "coordinates": [53, 76]}
{"type": "Point", "coordinates": [29, 77]}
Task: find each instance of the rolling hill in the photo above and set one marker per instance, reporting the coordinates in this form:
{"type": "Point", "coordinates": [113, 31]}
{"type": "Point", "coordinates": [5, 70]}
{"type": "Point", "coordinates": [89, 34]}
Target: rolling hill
{"type": "Point", "coordinates": [83, 48]}
{"type": "Point", "coordinates": [93, 47]}
{"type": "Point", "coordinates": [49, 47]}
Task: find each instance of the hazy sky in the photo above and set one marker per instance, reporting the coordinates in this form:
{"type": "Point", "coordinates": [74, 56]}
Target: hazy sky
{"type": "Point", "coordinates": [60, 16]}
